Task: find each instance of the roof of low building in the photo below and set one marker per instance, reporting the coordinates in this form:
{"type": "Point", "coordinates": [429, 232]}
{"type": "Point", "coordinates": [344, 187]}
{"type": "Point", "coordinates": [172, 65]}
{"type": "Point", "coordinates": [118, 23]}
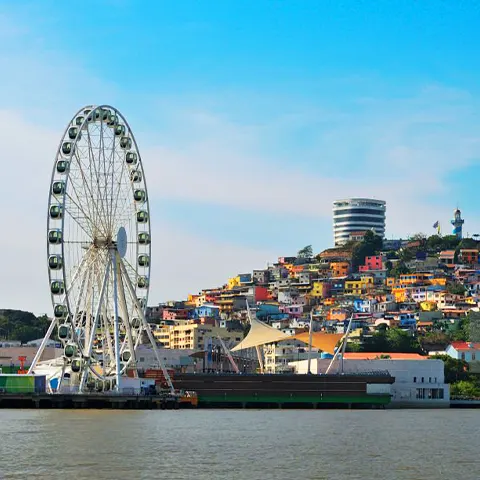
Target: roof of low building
{"type": "Point", "coordinates": [459, 346]}
{"type": "Point", "coordinates": [379, 355]}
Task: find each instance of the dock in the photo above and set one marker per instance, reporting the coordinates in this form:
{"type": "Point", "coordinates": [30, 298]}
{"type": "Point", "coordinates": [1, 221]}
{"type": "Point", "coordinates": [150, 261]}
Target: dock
{"type": "Point", "coordinates": [92, 401]}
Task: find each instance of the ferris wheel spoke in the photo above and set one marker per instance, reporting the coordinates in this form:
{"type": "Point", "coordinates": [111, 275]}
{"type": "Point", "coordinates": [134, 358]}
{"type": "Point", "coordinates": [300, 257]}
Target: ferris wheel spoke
{"type": "Point", "coordinates": [109, 178]}
{"type": "Point", "coordinates": [117, 199]}
{"type": "Point", "coordinates": [100, 206]}
{"type": "Point", "coordinates": [95, 323]}
{"type": "Point", "coordinates": [90, 198]}
{"type": "Point", "coordinates": [86, 227]}
{"type": "Point", "coordinates": [102, 167]}
{"type": "Point", "coordinates": [87, 197]}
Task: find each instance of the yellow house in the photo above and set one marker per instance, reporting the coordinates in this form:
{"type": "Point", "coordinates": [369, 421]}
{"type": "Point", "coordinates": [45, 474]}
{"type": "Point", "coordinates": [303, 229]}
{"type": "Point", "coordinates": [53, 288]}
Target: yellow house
{"type": "Point", "coordinates": [200, 300]}
{"type": "Point", "coordinates": [193, 336]}
{"type": "Point", "coordinates": [400, 293]}
{"type": "Point", "coordinates": [317, 290]}
{"type": "Point", "coordinates": [359, 287]}
{"type": "Point", "coordinates": [233, 282]}
{"type": "Point", "coordinates": [428, 306]}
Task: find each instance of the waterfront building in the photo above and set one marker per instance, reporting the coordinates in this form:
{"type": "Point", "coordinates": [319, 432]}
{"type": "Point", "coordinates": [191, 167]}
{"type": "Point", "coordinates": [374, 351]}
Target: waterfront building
{"type": "Point", "coordinates": [419, 381]}
{"type": "Point", "coordinates": [194, 336]}
{"type": "Point", "coordinates": [356, 215]}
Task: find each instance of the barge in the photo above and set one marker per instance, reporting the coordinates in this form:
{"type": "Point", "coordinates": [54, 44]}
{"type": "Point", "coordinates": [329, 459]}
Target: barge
{"type": "Point", "coordinates": [217, 390]}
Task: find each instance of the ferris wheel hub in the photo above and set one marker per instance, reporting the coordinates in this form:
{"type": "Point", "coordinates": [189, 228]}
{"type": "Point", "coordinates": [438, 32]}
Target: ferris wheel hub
{"type": "Point", "coordinates": [122, 242]}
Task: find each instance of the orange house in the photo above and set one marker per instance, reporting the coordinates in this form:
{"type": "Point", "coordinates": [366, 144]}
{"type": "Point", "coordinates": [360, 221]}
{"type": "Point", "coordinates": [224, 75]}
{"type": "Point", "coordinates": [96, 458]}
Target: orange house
{"type": "Point", "coordinates": [339, 269]}
{"type": "Point", "coordinates": [338, 314]}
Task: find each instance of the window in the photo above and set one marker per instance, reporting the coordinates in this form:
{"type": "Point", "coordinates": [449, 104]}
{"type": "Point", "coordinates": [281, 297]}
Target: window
{"type": "Point", "coordinates": [423, 379]}
{"type": "Point", "coordinates": [463, 355]}
{"type": "Point", "coordinates": [473, 356]}
{"type": "Point", "coordinates": [414, 379]}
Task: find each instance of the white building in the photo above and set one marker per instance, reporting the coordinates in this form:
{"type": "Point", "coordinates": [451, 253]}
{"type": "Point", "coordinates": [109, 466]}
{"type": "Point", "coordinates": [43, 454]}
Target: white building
{"type": "Point", "coordinates": [278, 356]}
{"type": "Point", "coordinates": [418, 383]}
{"type": "Point", "coordinates": [357, 214]}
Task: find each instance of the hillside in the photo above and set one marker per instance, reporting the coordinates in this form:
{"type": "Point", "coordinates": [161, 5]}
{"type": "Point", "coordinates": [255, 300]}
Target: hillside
{"type": "Point", "coordinates": [22, 326]}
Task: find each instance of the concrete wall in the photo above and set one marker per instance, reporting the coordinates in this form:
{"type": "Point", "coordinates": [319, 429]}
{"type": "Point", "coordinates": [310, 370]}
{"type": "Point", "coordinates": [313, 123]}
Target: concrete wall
{"type": "Point", "coordinates": [9, 355]}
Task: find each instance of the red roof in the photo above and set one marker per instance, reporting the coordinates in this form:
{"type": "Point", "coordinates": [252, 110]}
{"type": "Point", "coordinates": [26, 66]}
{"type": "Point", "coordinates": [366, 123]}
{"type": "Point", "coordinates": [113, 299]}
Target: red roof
{"type": "Point", "coordinates": [465, 346]}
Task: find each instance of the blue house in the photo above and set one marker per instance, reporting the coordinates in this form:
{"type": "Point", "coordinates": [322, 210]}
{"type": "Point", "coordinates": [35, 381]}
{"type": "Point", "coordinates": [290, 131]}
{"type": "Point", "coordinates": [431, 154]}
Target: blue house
{"type": "Point", "coordinates": [207, 311]}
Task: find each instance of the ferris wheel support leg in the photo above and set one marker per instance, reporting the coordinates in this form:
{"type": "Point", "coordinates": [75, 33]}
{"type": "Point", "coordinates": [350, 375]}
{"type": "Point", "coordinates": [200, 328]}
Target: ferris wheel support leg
{"type": "Point", "coordinates": [115, 325]}
{"type": "Point", "coordinates": [88, 353]}
{"type": "Point", "coordinates": [42, 345]}
{"type": "Point", "coordinates": [124, 310]}
{"type": "Point", "coordinates": [146, 326]}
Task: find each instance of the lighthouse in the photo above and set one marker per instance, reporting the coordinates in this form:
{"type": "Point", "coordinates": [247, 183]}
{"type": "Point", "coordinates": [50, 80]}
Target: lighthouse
{"type": "Point", "coordinates": [457, 223]}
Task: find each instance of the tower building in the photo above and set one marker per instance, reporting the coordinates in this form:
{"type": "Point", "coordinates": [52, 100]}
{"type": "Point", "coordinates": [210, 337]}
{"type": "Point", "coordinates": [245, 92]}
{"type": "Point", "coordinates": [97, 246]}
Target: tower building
{"type": "Point", "coordinates": [457, 223]}
{"type": "Point", "coordinates": [357, 215]}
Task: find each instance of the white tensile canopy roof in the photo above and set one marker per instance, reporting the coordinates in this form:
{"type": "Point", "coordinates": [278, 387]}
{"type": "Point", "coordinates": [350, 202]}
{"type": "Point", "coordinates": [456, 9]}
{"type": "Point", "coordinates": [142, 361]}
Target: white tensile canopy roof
{"type": "Point", "coordinates": [259, 334]}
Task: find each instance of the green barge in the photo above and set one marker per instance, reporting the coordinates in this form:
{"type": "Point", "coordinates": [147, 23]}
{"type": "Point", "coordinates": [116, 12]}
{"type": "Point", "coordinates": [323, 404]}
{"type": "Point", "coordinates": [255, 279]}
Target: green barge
{"type": "Point", "coordinates": [288, 390]}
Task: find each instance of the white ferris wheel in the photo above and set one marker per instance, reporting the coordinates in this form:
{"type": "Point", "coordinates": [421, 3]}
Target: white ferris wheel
{"type": "Point", "coordinates": [98, 250]}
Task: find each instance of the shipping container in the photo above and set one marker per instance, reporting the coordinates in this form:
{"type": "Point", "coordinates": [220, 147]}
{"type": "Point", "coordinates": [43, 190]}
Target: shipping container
{"type": "Point", "coordinates": [13, 383]}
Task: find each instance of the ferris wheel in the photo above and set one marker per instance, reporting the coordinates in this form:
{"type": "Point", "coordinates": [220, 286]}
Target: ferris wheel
{"type": "Point", "coordinates": [98, 249]}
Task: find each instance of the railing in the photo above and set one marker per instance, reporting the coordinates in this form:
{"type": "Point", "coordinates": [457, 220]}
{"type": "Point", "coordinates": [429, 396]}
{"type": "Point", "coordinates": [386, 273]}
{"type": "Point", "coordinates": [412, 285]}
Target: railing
{"type": "Point", "coordinates": [464, 398]}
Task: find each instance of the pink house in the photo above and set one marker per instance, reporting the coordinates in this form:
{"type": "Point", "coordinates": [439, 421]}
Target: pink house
{"type": "Point", "coordinates": [295, 310]}
{"type": "Point", "coordinates": [375, 262]}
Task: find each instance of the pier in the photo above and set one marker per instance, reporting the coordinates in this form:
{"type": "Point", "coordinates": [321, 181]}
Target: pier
{"type": "Point", "coordinates": [92, 401]}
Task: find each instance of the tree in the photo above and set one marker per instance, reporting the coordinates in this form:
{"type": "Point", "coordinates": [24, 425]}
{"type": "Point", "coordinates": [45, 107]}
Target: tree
{"type": "Point", "coordinates": [392, 340]}
{"type": "Point", "coordinates": [467, 243]}
{"type": "Point", "coordinates": [450, 242]}
{"type": "Point", "coordinates": [455, 288]}
{"type": "Point", "coordinates": [465, 388]}
{"type": "Point", "coordinates": [402, 341]}
{"type": "Point", "coordinates": [434, 243]}
{"type": "Point", "coordinates": [370, 245]}
{"type": "Point", "coordinates": [305, 252]}
{"type": "Point", "coordinates": [399, 269]}
{"type": "Point", "coordinates": [472, 326]}
{"type": "Point", "coordinates": [455, 370]}
{"type": "Point", "coordinates": [406, 254]}
{"type": "Point", "coordinates": [420, 237]}
{"type": "Point", "coordinates": [23, 326]}
{"type": "Point", "coordinates": [461, 332]}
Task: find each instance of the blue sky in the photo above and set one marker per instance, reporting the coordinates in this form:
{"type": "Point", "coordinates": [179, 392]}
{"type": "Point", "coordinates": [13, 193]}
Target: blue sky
{"type": "Point", "coordinates": [251, 117]}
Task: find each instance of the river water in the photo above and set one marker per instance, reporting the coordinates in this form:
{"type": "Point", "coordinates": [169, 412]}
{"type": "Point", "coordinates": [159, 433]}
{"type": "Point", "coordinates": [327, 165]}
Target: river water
{"type": "Point", "coordinates": [240, 444]}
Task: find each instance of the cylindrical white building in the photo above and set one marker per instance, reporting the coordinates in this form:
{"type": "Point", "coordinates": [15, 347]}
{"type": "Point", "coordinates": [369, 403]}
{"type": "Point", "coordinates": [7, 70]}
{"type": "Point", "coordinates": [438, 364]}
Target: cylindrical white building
{"type": "Point", "coordinates": [357, 215]}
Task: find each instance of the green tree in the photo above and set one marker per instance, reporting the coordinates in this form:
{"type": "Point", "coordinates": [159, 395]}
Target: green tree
{"type": "Point", "coordinates": [402, 341]}
{"type": "Point", "coordinates": [23, 326]}
{"type": "Point", "coordinates": [465, 388]}
{"type": "Point", "coordinates": [455, 288]}
{"type": "Point", "coordinates": [370, 245]}
{"type": "Point", "coordinates": [461, 330]}
{"type": "Point", "coordinates": [305, 252]}
{"type": "Point", "coordinates": [406, 254]}
{"type": "Point", "coordinates": [467, 243]}
{"type": "Point", "coordinates": [455, 370]}
{"type": "Point", "coordinates": [450, 242]}
{"type": "Point", "coordinates": [472, 326]}
{"type": "Point", "coordinates": [399, 269]}
{"type": "Point", "coordinates": [434, 243]}
{"type": "Point", "coordinates": [420, 237]}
